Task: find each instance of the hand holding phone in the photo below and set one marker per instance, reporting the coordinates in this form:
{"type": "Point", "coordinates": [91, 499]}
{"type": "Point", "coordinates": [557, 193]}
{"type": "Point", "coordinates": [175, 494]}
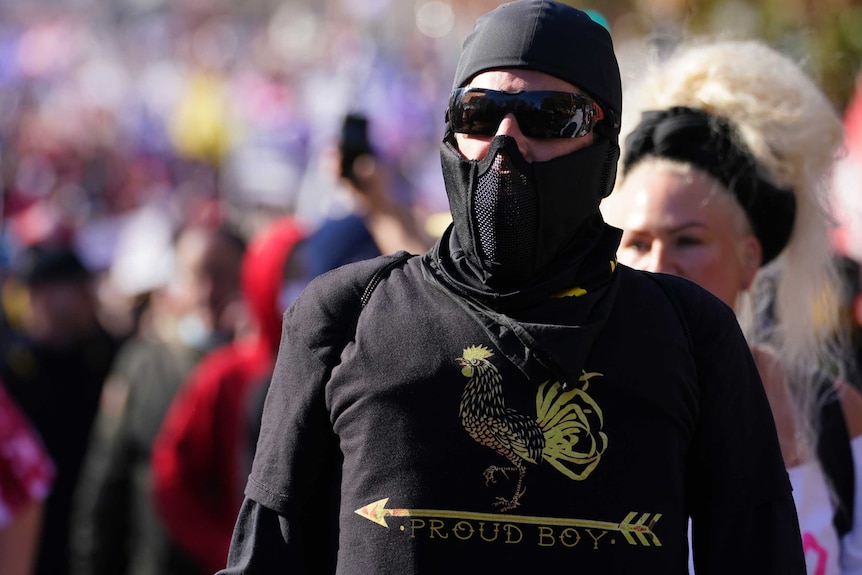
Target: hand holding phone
{"type": "Point", "coordinates": [353, 143]}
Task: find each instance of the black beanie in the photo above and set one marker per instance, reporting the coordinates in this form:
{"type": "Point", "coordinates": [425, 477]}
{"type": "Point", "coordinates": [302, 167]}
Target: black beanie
{"type": "Point", "coordinates": [44, 264]}
{"type": "Point", "coordinates": [549, 37]}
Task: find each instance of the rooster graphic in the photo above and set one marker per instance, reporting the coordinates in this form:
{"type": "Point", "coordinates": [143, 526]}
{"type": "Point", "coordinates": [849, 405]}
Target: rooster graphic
{"type": "Point", "coordinates": [566, 432]}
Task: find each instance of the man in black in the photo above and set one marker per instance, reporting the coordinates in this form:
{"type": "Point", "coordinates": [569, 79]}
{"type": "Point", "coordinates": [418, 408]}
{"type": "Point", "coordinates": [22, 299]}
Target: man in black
{"type": "Point", "coordinates": [513, 399]}
{"type": "Point", "coordinates": [54, 365]}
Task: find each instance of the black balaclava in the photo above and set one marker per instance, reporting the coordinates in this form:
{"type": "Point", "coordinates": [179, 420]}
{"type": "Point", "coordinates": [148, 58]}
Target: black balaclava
{"type": "Point", "coordinates": [512, 218]}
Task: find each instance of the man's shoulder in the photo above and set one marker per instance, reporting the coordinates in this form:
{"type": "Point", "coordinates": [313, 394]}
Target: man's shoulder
{"type": "Point", "coordinates": [698, 309]}
{"type": "Point", "coordinates": [353, 279]}
{"type": "Point", "coordinates": [343, 291]}
{"type": "Point", "coordinates": [685, 290]}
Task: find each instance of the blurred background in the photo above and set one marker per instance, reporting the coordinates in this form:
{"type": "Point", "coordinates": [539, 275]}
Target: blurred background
{"type": "Point", "coordinates": [122, 119]}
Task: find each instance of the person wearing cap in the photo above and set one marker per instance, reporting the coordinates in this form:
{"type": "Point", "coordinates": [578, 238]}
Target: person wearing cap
{"type": "Point", "coordinates": [725, 177]}
{"type": "Point", "coordinates": [54, 365]}
{"type": "Point", "coordinates": [514, 400]}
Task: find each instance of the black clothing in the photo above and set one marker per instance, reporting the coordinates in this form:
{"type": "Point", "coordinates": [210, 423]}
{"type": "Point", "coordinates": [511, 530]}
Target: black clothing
{"type": "Point", "coordinates": [550, 37]}
{"type": "Point", "coordinates": [456, 432]}
{"type": "Point", "coordinates": [59, 390]}
{"type": "Point", "coordinates": [836, 457]}
{"type": "Point", "coordinates": [115, 527]}
{"type": "Point", "coordinates": [513, 218]}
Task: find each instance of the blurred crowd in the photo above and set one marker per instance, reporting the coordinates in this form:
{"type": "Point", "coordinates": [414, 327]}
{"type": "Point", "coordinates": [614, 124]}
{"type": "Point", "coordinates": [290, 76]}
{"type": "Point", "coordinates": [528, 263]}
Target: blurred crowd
{"type": "Point", "coordinates": [169, 182]}
{"type": "Point", "coordinates": [191, 108]}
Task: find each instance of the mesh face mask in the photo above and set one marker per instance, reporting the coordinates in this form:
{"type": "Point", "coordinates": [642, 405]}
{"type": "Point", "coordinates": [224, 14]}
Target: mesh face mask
{"type": "Point", "coordinates": [512, 217]}
{"type": "Point", "coordinates": [506, 212]}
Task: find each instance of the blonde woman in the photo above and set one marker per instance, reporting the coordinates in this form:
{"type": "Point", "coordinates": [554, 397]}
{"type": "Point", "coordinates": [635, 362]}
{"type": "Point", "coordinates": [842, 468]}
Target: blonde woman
{"type": "Point", "coordinates": [723, 182]}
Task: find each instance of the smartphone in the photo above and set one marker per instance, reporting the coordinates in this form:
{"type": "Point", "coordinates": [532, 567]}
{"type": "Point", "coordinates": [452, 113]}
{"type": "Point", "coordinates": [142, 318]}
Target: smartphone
{"type": "Point", "coordinates": [354, 142]}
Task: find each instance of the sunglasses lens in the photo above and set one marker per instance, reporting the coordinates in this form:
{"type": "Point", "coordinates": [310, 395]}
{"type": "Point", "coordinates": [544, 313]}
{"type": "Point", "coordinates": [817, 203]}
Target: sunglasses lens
{"type": "Point", "coordinates": [540, 114]}
{"type": "Point", "coordinates": [475, 112]}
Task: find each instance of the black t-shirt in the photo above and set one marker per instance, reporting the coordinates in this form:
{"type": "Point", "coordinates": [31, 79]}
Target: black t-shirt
{"type": "Point", "coordinates": [59, 390]}
{"type": "Point", "coordinates": [417, 447]}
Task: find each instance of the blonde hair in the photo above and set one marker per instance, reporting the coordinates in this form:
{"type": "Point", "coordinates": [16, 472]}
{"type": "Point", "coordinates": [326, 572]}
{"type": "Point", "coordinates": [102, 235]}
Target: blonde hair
{"type": "Point", "coordinates": [794, 133]}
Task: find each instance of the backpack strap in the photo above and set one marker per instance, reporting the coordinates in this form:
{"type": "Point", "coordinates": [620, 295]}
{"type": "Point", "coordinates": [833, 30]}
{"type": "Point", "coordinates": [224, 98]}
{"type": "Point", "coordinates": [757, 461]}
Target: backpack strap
{"type": "Point", "coordinates": [346, 291]}
{"type": "Point", "coordinates": [836, 458]}
{"type": "Point", "coordinates": [390, 262]}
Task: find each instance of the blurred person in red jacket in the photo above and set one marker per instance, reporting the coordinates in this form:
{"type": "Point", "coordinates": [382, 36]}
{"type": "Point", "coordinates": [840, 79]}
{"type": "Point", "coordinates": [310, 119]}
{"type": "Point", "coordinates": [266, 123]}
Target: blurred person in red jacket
{"type": "Point", "coordinates": [200, 459]}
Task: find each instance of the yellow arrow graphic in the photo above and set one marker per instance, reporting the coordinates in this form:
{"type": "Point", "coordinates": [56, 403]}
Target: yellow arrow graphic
{"type": "Point", "coordinates": [635, 531]}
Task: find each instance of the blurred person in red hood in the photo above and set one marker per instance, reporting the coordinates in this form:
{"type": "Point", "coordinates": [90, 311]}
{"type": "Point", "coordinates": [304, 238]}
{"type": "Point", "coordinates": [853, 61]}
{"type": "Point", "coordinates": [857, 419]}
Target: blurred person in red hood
{"type": "Point", "coordinates": [200, 459]}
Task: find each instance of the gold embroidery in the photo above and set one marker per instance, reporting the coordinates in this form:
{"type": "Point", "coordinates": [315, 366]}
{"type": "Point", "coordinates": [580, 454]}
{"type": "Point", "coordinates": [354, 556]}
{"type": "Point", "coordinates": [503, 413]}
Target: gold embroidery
{"type": "Point", "coordinates": [566, 431]}
{"type": "Point", "coordinates": [550, 531]}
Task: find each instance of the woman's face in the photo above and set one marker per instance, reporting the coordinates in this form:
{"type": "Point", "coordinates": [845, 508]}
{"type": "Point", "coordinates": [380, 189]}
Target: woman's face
{"type": "Point", "coordinates": [684, 224]}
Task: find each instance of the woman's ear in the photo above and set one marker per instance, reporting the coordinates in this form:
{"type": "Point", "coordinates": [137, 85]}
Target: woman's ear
{"type": "Point", "coordinates": [752, 257]}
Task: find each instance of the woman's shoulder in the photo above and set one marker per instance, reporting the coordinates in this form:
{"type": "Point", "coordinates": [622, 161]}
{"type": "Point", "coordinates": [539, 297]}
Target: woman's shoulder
{"type": "Point", "coordinates": [768, 363]}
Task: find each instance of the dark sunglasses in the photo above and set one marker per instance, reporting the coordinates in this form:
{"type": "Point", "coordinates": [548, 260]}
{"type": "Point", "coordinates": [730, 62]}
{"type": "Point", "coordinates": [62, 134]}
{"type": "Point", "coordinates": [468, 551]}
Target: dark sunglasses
{"type": "Point", "coordinates": [543, 114]}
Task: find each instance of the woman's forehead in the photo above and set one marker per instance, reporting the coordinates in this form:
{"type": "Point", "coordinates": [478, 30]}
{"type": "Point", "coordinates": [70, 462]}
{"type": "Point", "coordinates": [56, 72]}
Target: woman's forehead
{"type": "Point", "coordinates": [660, 194]}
